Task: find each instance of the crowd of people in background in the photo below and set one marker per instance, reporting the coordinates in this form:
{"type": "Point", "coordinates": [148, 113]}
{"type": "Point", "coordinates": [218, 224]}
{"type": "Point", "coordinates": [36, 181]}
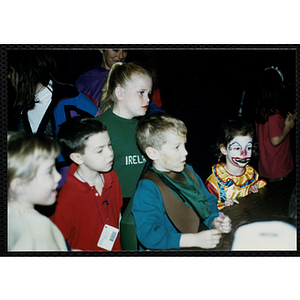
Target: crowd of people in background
{"type": "Point", "coordinates": [102, 148]}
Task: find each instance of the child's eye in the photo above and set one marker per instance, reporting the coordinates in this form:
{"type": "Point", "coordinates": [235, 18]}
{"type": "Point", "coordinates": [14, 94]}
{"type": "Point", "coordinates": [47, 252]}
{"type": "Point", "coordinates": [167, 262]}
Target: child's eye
{"type": "Point", "coordinates": [141, 92]}
{"type": "Point", "coordinates": [99, 151]}
{"type": "Point", "coordinates": [51, 170]}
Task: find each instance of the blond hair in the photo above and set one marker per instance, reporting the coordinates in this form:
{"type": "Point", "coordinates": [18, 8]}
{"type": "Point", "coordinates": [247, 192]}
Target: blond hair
{"type": "Point", "coordinates": [152, 130]}
{"type": "Point", "coordinates": [25, 152]}
{"type": "Point", "coordinates": [119, 75]}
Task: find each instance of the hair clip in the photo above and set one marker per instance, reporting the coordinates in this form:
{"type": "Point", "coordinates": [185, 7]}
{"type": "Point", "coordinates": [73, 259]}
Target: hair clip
{"type": "Point", "coordinates": [277, 70]}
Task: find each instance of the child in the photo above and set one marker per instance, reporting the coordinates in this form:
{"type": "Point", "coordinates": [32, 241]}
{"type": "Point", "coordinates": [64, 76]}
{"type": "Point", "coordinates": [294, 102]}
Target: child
{"type": "Point", "coordinates": [125, 96]}
{"type": "Point", "coordinates": [91, 82]}
{"type": "Point", "coordinates": [273, 124]}
{"type": "Point", "coordinates": [89, 203]}
{"type": "Point", "coordinates": [162, 138]}
{"type": "Point", "coordinates": [32, 179]}
{"type": "Point", "coordinates": [235, 178]}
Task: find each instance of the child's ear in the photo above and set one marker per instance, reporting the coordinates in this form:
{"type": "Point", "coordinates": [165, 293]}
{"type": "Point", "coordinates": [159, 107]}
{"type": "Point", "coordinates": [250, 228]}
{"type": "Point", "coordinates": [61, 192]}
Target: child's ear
{"type": "Point", "coordinates": [223, 150]}
{"type": "Point", "coordinates": [119, 93]}
{"type": "Point", "coordinates": [17, 186]}
{"type": "Point", "coordinates": [152, 153]}
{"type": "Point", "coordinates": [77, 158]}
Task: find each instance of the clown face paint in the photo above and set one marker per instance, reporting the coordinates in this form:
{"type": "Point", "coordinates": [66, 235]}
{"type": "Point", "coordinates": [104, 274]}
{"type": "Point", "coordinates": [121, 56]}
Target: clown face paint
{"type": "Point", "coordinates": [239, 151]}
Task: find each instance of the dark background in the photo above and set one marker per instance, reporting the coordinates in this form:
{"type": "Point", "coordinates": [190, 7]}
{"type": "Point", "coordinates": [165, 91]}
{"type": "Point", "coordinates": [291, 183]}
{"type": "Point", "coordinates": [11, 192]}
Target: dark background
{"type": "Point", "coordinates": [200, 86]}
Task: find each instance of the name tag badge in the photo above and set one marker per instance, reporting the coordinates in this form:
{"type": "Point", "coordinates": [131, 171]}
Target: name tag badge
{"type": "Point", "coordinates": [108, 237]}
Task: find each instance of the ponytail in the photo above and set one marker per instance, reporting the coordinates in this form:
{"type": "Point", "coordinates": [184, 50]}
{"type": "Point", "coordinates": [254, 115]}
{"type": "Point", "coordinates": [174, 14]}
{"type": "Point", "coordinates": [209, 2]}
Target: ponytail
{"type": "Point", "coordinates": [119, 75]}
{"type": "Point", "coordinates": [107, 94]}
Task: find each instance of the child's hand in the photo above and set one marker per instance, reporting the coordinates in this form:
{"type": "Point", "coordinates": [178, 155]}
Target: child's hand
{"type": "Point", "coordinates": [222, 223]}
{"type": "Point", "coordinates": [294, 114]}
{"type": "Point", "coordinates": [253, 188]}
{"type": "Point", "coordinates": [208, 238]}
{"type": "Point", "coordinates": [229, 202]}
{"type": "Point", "coordinates": [290, 120]}
{"type": "Point", "coordinates": [203, 239]}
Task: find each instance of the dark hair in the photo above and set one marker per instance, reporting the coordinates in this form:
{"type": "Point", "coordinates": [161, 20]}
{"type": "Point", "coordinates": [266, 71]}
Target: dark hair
{"type": "Point", "coordinates": [271, 95]}
{"type": "Point", "coordinates": [28, 68]}
{"type": "Point", "coordinates": [73, 134]}
{"type": "Point", "coordinates": [229, 130]}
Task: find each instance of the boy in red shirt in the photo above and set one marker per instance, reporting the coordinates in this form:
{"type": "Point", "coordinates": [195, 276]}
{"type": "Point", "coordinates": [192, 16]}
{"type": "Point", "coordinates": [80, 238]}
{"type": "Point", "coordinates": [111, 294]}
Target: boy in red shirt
{"type": "Point", "coordinates": [89, 203]}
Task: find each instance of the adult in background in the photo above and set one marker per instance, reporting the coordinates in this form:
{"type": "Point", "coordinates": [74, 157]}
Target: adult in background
{"type": "Point", "coordinates": [91, 82]}
{"type": "Point", "coordinates": [37, 93]}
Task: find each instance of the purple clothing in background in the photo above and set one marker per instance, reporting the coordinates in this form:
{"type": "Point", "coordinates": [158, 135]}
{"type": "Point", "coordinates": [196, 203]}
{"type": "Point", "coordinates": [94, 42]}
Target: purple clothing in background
{"type": "Point", "coordinates": [91, 83]}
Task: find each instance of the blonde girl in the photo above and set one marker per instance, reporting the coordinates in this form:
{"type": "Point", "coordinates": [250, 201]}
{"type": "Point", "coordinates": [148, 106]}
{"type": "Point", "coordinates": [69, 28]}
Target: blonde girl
{"type": "Point", "coordinates": [125, 97]}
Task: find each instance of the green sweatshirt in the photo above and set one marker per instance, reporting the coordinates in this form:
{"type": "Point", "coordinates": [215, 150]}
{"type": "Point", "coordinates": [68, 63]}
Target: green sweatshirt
{"type": "Point", "coordinates": [128, 160]}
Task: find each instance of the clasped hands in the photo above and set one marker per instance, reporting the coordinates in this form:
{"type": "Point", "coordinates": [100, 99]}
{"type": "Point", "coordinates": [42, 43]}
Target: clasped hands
{"type": "Point", "coordinates": [222, 223]}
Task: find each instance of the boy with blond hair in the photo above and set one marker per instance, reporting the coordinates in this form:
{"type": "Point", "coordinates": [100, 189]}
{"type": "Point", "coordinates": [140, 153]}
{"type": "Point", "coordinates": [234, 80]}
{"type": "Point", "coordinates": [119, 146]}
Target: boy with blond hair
{"type": "Point", "coordinates": [158, 225]}
{"type": "Point", "coordinates": [32, 179]}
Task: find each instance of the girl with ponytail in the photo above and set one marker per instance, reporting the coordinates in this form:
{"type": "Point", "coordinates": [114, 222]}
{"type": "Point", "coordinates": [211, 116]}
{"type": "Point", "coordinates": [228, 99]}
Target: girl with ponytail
{"type": "Point", "coordinates": [124, 98]}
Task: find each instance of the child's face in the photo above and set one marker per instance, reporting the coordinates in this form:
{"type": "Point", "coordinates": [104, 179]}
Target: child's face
{"type": "Point", "coordinates": [172, 155]}
{"type": "Point", "coordinates": [239, 151]}
{"type": "Point", "coordinates": [42, 188]}
{"type": "Point", "coordinates": [135, 97]}
{"type": "Point", "coordinates": [98, 154]}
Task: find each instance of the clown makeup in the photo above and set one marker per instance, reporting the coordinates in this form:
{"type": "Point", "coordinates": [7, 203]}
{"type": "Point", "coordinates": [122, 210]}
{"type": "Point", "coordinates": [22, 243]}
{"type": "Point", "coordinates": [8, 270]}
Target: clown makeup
{"type": "Point", "coordinates": [239, 151]}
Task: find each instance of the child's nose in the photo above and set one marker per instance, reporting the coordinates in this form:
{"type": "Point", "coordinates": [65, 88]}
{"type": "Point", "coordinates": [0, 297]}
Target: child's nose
{"type": "Point", "coordinates": [244, 152]}
{"type": "Point", "coordinates": [110, 151]}
{"type": "Point", "coordinates": [185, 152]}
{"type": "Point", "coordinates": [57, 176]}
